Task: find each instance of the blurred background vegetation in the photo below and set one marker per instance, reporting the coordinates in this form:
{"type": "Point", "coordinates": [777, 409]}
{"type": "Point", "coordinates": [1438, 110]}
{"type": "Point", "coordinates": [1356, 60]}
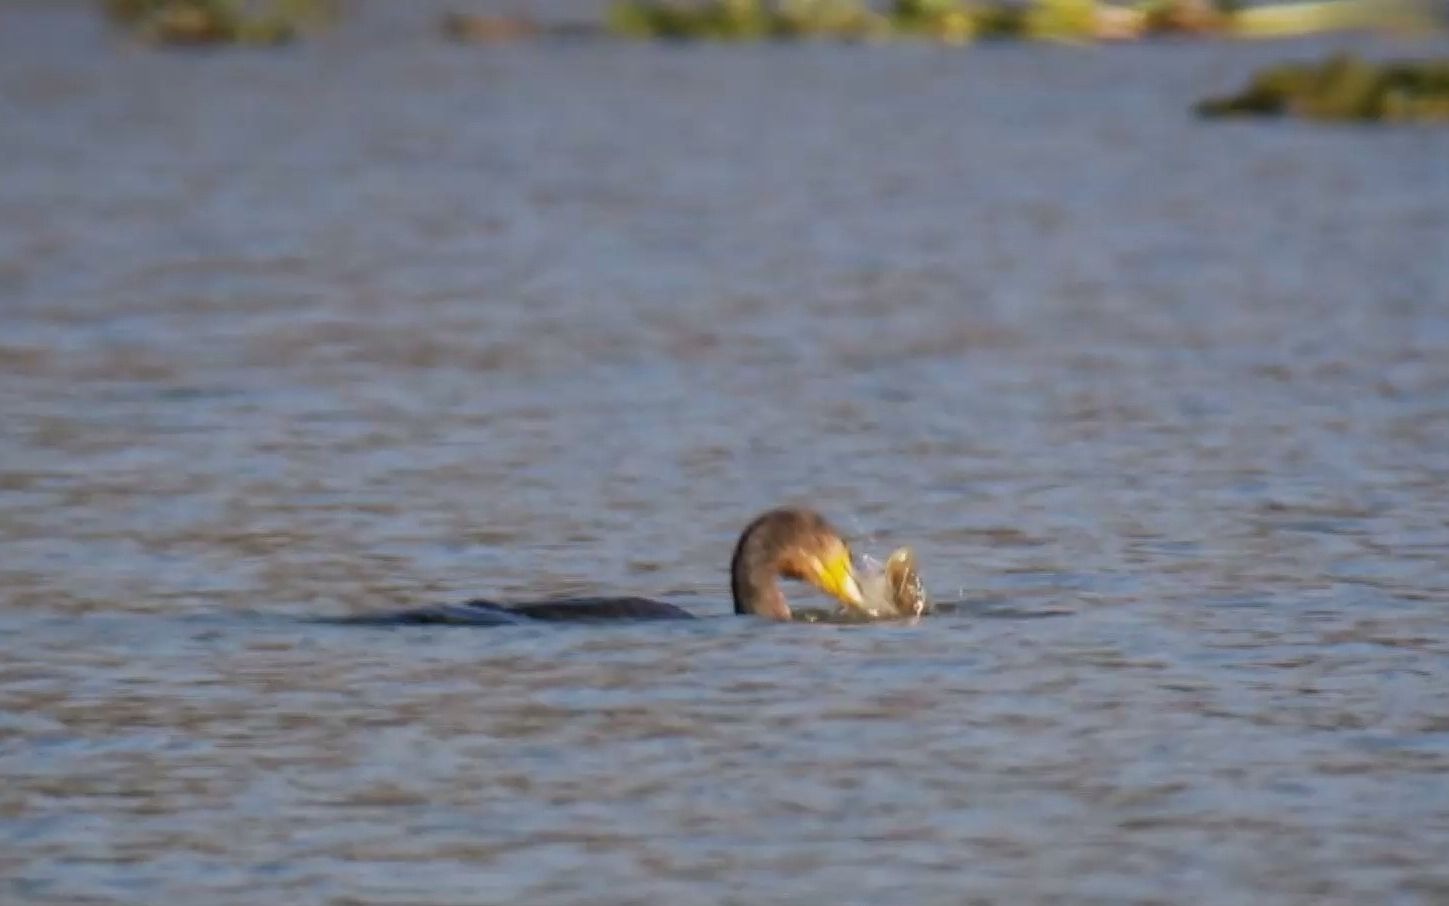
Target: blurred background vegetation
{"type": "Point", "coordinates": [219, 21]}
{"type": "Point", "coordinates": [1344, 87]}
{"type": "Point", "coordinates": [1341, 88]}
{"type": "Point", "coordinates": [951, 21]}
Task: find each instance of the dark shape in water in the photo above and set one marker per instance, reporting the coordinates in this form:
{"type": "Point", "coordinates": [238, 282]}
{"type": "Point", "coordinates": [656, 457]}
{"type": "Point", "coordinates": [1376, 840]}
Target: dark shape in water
{"type": "Point", "coordinates": [1343, 87]}
{"type": "Point", "coordinates": [781, 544]}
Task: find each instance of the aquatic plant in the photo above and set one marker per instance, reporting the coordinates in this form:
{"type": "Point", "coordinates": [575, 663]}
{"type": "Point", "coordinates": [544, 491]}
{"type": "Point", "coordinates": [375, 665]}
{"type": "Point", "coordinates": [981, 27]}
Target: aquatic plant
{"type": "Point", "coordinates": [1343, 87]}
{"type": "Point", "coordinates": [218, 21]}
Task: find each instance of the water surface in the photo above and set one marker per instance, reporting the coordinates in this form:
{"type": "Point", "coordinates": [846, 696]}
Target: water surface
{"type": "Point", "coordinates": [373, 322]}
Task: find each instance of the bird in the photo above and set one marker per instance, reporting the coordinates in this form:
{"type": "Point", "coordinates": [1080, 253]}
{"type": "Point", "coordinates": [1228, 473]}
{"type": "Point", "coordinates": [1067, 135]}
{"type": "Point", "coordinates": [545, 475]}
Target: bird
{"type": "Point", "coordinates": [784, 543]}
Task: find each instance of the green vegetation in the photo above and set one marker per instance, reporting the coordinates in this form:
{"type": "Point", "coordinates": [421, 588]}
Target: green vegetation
{"type": "Point", "coordinates": [1062, 20]}
{"type": "Point", "coordinates": [946, 20]}
{"type": "Point", "coordinates": [958, 21]}
{"type": "Point", "coordinates": [745, 20]}
{"type": "Point", "coordinates": [1343, 88]}
{"type": "Point", "coordinates": [199, 22]}
{"type": "Point", "coordinates": [1187, 17]}
{"type": "Point", "coordinates": [262, 22]}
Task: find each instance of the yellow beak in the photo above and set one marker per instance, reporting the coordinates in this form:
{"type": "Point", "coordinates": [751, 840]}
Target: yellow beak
{"type": "Point", "coordinates": [836, 577]}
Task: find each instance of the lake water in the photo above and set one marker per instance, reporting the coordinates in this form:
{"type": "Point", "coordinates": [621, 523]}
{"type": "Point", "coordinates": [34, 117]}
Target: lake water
{"type": "Point", "coordinates": [378, 321]}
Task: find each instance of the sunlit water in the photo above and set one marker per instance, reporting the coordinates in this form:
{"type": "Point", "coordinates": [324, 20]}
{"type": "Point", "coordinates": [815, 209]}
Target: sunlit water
{"type": "Point", "coordinates": [1162, 406]}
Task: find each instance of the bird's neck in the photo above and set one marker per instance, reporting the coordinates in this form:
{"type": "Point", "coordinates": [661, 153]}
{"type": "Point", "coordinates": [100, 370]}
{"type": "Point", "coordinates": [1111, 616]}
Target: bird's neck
{"type": "Point", "coordinates": [756, 592]}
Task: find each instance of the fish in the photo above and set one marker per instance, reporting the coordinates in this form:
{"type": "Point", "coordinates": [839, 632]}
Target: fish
{"type": "Point", "coordinates": [894, 590]}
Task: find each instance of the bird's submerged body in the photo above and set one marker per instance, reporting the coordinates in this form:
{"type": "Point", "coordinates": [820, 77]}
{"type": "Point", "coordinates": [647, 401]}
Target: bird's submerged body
{"type": "Point", "coordinates": [480, 612]}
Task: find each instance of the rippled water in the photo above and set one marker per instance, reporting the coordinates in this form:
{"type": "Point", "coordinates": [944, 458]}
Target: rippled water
{"type": "Point", "coordinates": [1163, 407]}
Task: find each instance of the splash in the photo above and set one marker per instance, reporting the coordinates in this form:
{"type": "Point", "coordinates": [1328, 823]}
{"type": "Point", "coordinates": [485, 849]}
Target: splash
{"type": "Point", "coordinates": [893, 589]}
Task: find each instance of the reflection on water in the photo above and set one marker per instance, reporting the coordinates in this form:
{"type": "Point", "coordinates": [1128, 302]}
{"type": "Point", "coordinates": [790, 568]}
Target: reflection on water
{"type": "Point", "coordinates": [376, 323]}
